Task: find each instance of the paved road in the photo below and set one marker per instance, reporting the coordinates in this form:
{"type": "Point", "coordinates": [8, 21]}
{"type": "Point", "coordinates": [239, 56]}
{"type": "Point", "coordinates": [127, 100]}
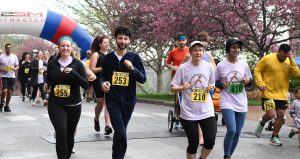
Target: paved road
{"type": "Point", "coordinates": [26, 133]}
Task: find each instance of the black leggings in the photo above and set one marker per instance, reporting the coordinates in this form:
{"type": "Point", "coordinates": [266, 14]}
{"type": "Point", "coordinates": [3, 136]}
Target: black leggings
{"type": "Point", "coordinates": [35, 89]}
{"type": "Point", "coordinates": [209, 129]}
{"type": "Point", "coordinates": [25, 86]}
{"type": "Point", "coordinates": [64, 120]}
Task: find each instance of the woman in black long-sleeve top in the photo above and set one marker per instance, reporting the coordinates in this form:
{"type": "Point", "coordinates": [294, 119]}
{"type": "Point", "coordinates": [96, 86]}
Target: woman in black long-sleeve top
{"type": "Point", "coordinates": [23, 74]}
{"type": "Point", "coordinates": [37, 76]}
{"type": "Point", "coordinates": [65, 76]}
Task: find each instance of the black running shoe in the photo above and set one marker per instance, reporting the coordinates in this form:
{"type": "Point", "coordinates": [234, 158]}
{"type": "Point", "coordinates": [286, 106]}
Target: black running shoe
{"type": "Point", "coordinates": [96, 125]}
{"type": "Point", "coordinates": [108, 130]}
{"type": "Point", "coordinates": [7, 109]}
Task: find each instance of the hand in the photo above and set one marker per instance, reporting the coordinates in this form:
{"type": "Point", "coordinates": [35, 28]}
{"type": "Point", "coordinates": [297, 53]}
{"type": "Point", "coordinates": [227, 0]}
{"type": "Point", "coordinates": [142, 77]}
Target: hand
{"type": "Point", "coordinates": [105, 86]}
{"type": "Point", "coordinates": [46, 88]}
{"type": "Point", "coordinates": [292, 115]}
{"type": "Point", "coordinates": [68, 69]}
{"type": "Point", "coordinates": [211, 87]}
{"type": "Point", "coordinates": [14, 69]}
{"type": "Point", "coordinates": [175, 68]}
{"type": "Point", "coordinates": [262, 88]}
{"type": "Point", "coordinates": [226, 84]}
{"type": "Point", "coordinates": [128, 64]}
{"type": "Point", "coordinates": [186, 86]}
{"type": "Point", "coordinates": [245, 80]}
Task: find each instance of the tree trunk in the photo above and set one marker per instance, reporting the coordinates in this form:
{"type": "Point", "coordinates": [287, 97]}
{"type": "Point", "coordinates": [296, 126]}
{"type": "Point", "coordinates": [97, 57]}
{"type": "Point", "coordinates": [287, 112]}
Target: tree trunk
{"type": "Point", "coordinates": [159, 81]}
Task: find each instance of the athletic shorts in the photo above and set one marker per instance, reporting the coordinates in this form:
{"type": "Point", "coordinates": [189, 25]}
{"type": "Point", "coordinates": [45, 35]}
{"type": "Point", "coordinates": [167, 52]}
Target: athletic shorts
{"type": "Point", "coordinates": [97, 89]}
{"type": "Point", "coordinates": [279, 104]}
{"type": "Point", "coordinates": [8, 83]}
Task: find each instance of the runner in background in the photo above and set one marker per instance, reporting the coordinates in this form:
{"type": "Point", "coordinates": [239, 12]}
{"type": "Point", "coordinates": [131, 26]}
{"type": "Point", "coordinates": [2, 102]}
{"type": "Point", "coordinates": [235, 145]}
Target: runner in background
{"type": "Point", "coordinates": [24, 75]}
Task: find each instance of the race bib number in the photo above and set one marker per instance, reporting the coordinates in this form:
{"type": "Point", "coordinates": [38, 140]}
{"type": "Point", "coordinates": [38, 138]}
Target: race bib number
{"type": "Point", "coordinates": [120, 79]}
{"type": "Point", "coordinates": [269, 104]}
{"type": "Point", "coordinates": [8, 68]}
{"type": "Point", "coordinates": [62, 91]}
{"type": "Point", "coordinates": [235, 87]}
{"type": "Point", "coordinates": [26, 70]}
{"type": "Point", "coordinates": [199, 95]}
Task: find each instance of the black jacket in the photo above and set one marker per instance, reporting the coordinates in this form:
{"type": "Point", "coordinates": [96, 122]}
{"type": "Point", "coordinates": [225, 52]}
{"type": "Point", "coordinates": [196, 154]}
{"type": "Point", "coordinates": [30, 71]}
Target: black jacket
{"type": "Point", "coordinates": [75, 79]}
{"type": "Point", "coordinates": [34, 71]}
{"type": "Point", "coordinates": [122, 95]}
{"type": "Point", "coordinates": [24, 70]}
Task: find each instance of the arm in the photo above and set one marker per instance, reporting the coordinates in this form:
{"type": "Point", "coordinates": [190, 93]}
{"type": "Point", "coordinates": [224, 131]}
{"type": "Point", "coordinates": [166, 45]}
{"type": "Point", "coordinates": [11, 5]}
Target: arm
{"type": "Point", "coordinates": [186, 58]}
{"type": "Point", "coordinates": [212, 61]}
{"type": "Point", "coordinates": [258, 71]}
{"type": "Point", "coordinates": [177, 84]}
{"type": "Point", "coordinates": [90, 74]}
{"type": "Point", "coordinates": [137, 70]}
{"type": "Point", "coordinates": [169, 61]}
{"type": "Point", "coordinates": [294, 69]}
{"type": "Point", "coordinates": [93, 63]}
{"type": "Point", "coordinates": [80, 75]}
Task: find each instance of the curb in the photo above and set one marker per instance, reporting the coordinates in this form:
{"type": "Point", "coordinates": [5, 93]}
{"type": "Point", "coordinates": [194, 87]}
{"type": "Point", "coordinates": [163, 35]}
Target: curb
{"type": "Point", "coordinates": [156, 102]}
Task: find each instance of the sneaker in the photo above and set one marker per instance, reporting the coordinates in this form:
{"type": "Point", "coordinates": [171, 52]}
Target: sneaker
{"type": "Point", "coordinates": [96, 125]}
{"type": "Point", "coordinates": [176, 126]}
{"type": "Point", "coordinates": [33, 103]}
{"type": "Point", "coordinates": [292, 133]}
{"type": "Point", "coordinates": [1, 107]}
{"type": "Point", "coordinates": [258, 129]}
{"type": "Point", "coordinates": [275, 141]}
{"type": "Point", "coordinates": [73, 150]}
{"type": "Point", "coordinates": [23, 98]}
{"type": "Point", "coordinates": [7, 109]}
{"type": "Point", "coordinates": [107, 130]}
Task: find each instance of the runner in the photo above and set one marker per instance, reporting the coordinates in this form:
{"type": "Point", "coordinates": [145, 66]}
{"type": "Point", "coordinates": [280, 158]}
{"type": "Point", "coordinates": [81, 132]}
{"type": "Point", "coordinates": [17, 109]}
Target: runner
{"type": "Point", "coordinates": [65, 76]}
{"type": "Point", "coordinates": [174, 59]}
{"type": "Point", "coordinates": [8, 65]}
{"type": "Point", "coordinates": [295, 114]}
{"type": "Point", "coordinates": [272, 74]}
{"type": "Point", "coordinates": [37, 75]}
{"type": "Point", "coordinates": [232, 74]}
{"type": "Point", "coordinates": [99, 49]}
{"type": "Point", "coordinates": [121, 70]}
{"type": "Point", "coordinates": [23, 75]}
{"type": "Point", "coordinates": [196, 107]}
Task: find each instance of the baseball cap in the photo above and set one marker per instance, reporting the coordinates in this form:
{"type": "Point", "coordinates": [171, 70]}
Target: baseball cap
{"type": "Point", "coordinates": [232, 41]}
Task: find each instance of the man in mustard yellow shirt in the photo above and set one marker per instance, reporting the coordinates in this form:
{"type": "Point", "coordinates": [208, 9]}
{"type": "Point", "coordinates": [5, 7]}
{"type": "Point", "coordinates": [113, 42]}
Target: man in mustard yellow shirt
{"type": "Point", "coordinates": [272, 74]}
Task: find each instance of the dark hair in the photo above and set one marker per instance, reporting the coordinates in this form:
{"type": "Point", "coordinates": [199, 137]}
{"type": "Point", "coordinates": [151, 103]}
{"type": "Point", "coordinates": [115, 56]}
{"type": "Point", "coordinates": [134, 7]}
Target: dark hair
{"type": "Point", "coordinates": [203, 36]}
{"type": "Point", "coordinates": [98, 40]}
{"type": "Point", "coordinates": [179, 34]}
{"type": "Point", "coordinates": [285, 48]}
{"type": "Point", "coordinates": [296, 90]}
{"type": "Point", "coordinates": [8, 44]}
{"type": "Point", "coordinates": [122, 30]}
{"type": "Point", "coordinates": [24, 55]}
{"type": "Point", "coordinates": [231, 42]}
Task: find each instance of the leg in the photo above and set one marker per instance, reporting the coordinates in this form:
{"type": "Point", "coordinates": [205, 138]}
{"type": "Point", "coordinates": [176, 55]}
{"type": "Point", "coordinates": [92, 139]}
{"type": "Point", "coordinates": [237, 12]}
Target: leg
{"type": "Point", "coordinates": [73, 119]}
{"type": "Point", "coordinates": [59, 117]}
{"type": "Point", "coordinates": [191, 131]}
{"type": "Point", "coordinates": [119, 120]}
{"type": "Point", "coordinates": [23, 87]}
{"type": "Point", "coordinates": [41, 88]}
{"type": "Point", "coordinates": [98, 109]}
{"type": "Point", "coordinates": [239, 120]}
{"type": "Point", "coordinates": [8, 96]}
{"type": "Point", "coordinates": [200, 136]}
{"type": "Point", "coordinates": [278, 121]}
{"type": "Point", "coordinates": [108, 130]}
{"type": "Point", "coordinates": [209, 130]}
{"type": "Point", "coordinates": [3, 95]}
{"type": "Point", "coordinates": [34, 92]}
{"type": "Point", "coordinates": [229, 117]}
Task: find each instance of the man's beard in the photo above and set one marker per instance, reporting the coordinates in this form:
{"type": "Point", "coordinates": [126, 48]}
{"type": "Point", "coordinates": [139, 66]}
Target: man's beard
{"type": "Point", "coordinates": [122, 46]}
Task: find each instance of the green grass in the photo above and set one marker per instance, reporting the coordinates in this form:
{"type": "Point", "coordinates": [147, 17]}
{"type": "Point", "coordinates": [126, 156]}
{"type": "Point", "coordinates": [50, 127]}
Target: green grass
{"type": "Point", "coordinates": [157, 96]}
{"type": "Point", "coordinates": [170, 97]}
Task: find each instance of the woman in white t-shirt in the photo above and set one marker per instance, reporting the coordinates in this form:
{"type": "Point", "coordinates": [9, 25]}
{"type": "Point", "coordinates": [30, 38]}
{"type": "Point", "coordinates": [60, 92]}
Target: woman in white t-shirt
{"type": "Point", "coordinates": [194, 79]}
{"type": "Point", "coordinates": [232, 74]}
